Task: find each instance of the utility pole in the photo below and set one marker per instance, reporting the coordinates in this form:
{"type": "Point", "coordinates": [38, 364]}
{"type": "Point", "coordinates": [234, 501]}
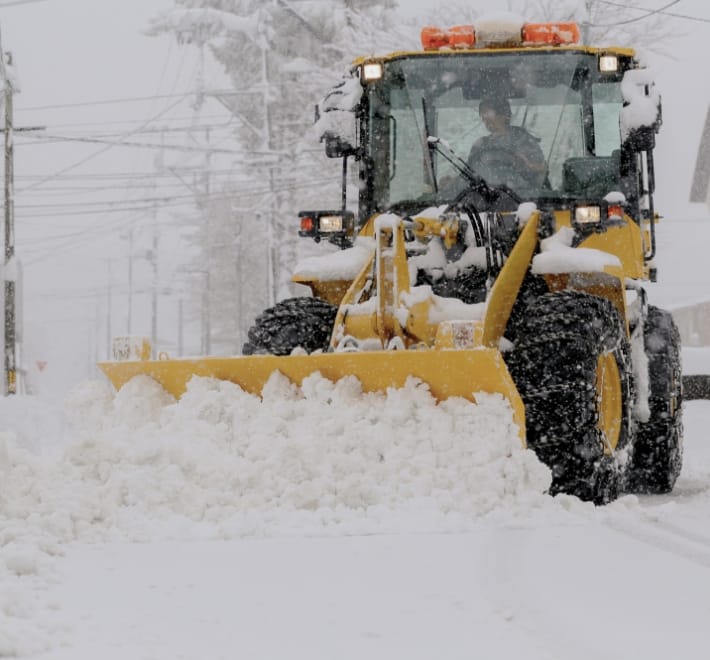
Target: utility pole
{"type": "Point", "coordinates": [109, 304]}
{"type": "Point", "coordinates": [129, 319]}
{"type": "Point", "coordinates": [268, 146]}
{"type": "Point", "coordinates": [10, 348]}
{"type": "Point", "coordinates": [10, 269]}
{"type": "Point", "coordinates": [181, 348]}
{"type": "Point", "coordinates": [238, 267]}
{"type": "Point", "coordinates": [206, 320]}
{"type": "Point", "coordinates": [159, 166]}
{"type": "Point", "coordinates": [154, 292]}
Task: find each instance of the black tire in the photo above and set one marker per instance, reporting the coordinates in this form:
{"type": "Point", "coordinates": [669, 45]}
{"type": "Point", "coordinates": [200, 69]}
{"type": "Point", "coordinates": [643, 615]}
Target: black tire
{"type": "Point", "coordinates": [565, 342]}
{"type": "Point", "coordinates": [468, 286]}
{"type": "Point", "coordinates": [292, 323]}
{"type": "Point", "coordinates": [658, 449]}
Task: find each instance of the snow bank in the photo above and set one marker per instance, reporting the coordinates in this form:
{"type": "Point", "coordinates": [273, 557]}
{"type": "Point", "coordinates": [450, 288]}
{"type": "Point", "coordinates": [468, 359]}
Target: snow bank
{"type": "Point", "coordinates": [323, 459]}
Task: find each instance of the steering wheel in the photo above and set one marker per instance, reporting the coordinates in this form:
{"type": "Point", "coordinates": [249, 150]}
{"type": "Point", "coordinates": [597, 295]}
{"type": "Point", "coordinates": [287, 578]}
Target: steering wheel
{"type": "Point", "coordinates": [500, 165]}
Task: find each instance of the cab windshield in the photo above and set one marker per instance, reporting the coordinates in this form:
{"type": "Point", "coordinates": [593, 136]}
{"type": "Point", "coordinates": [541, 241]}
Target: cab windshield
{"type": "Point", "coordinates": [569, 111]}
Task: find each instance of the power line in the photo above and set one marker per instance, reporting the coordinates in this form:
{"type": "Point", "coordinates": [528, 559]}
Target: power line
{"type": "Point", "coordinates": [142, 176]}
{"type": "Point", "coordinates": [158, 130]}
{"type": "Point", "coordinates": [18, 2]}
{"type": "Point", "coordinates": [182, 200]}
{"type": "Point", "coordinates": [99, 151]}
{"type": "Point", "coordinates": [660, 11]}
{"type": "Point", "coordinates": [134, 99]}
{"type": "Point", "coordinates": [108, 203]}
{"type": "Point", "coordinates": [65, 191]}
{"type": "Point", "coordinates": [165, 202]}
{"type": "Point", "coordinates": [140, 145]}
{"type": "Point", "coordinates": [649, 13]}
{"type": "Point", "coordinates": [118, 122]}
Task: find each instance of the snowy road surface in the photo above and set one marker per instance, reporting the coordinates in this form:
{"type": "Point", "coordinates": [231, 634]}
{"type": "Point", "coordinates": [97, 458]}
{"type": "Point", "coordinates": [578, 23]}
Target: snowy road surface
{"type": "Point", "coordinates": [508, 574]}
{"type": "Point", "coordinates": [624, 586]}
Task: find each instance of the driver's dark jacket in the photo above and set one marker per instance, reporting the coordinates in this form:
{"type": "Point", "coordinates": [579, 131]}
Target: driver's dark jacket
{"type": "Point", "coordinates": [508, 148]}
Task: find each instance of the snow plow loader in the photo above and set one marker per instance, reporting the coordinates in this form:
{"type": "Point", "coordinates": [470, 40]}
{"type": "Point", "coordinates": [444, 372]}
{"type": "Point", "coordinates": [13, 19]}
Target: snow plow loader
{"type": "Point", "coordinates": [504, 229]}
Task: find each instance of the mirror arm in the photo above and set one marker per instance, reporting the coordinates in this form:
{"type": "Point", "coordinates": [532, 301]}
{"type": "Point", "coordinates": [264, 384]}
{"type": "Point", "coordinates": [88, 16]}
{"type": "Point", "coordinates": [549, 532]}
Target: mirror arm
{"type": "Point", "coordinates": [344, 184]}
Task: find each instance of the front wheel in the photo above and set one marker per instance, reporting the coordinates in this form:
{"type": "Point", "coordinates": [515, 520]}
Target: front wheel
{"type": "Point", "coordinates": [571, 365]}
{"type": "Point", "coordinates": [305, 323]}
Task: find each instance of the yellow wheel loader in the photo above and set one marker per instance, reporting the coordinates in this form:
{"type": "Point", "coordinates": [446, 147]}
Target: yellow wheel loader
{"type": "Point", "coordinates": [461, 269]}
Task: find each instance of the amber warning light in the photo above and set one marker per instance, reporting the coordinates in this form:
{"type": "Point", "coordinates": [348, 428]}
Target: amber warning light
{"type": "Point", "coordinates": [530, 34]}
{"type": "Point", "coordinates": [459, 36]}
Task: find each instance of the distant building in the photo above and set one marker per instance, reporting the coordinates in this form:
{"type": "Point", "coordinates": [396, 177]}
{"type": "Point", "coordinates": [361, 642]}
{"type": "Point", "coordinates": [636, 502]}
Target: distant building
{"type": "Point", "coordinates": [701, 178]}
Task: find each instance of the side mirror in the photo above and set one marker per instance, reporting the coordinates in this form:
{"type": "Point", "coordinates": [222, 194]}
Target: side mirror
{"type": "Point", "coordinates": [336, 146]}
{"type": "Point", "coordinates": [641, 138]}
{"type": "Point", "coordinates": [336, 118]}
{"type": "Point", "coordinates": [641, 117]}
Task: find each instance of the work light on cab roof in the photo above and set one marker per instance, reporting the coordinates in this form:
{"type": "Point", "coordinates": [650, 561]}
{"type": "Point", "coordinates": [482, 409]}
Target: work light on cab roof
{"type": "Point", "coordinates": [500, 34]}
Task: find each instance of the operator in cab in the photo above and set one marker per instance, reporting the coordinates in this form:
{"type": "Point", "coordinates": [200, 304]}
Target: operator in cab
{"type": "Point", "coordinates": [509, 155]}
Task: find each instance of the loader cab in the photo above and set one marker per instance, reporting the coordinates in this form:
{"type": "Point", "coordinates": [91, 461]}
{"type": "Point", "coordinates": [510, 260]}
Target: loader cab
{"type": "Point", "coordinates": [562, 99]}
{"type": "Point", "coordinates": [573, 100]}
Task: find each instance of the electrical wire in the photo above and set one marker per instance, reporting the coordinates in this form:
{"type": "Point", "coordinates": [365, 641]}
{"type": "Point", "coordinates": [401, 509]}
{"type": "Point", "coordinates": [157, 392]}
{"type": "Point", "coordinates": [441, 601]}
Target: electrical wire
{"type": "Point", "coordinates": [18, 2]}
{"type": "Point", "coordinates": [140, 145]}
{"type": "Point", "coordinates": [163, 130]}
{"type": "Point", "coordinates": [165, 202]}
{"type": "Point", "coordinates": [140, 176]}
{"type": "Point", "coordinates": [665, 13]}
{"type": "Point", "coordinates": [118, 122]}
{"type": "Point", "coordinates": [95, 153]}
{"type": "Point", "coordinates": [648, 14]}
{"type": "Point", "coordinates": [134, 99]}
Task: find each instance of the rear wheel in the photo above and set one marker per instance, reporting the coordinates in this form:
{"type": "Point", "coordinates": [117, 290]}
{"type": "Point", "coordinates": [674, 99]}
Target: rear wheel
{"type": "Point", "coordinates": [658, 450]}
{"type": "Point", "coordinates": [571, 365]}
{"type": "Point", "coordinates": [292, 323]}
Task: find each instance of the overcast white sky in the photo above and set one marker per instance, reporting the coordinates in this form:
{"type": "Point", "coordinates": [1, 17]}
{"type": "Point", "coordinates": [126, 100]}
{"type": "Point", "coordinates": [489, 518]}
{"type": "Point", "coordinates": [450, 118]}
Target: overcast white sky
{"type": "Point", "coordinates": [75, 51]}
{"type": "Point", "coordinates": [72, 53]}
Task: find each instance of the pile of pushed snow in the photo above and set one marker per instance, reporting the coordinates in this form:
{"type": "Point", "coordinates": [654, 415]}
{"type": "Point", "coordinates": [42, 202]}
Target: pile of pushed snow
{"type": "Point", "coordinates": [323, 458]}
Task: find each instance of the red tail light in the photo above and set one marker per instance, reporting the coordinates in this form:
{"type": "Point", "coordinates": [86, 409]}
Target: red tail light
{"type": "Point", "coordinates": [615, 211]}
{"type": "Point", "coordinates": [308, 224]}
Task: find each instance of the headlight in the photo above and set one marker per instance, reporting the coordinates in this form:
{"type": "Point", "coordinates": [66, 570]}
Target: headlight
{"type": "Point", "coordinates": [608, 63]}
{"type": "Point", "coordinates": [331, 223]}
{"type": "Point", "coordinates": [586, 215]}
{"type": "Point", "coordinates": [372, 71]}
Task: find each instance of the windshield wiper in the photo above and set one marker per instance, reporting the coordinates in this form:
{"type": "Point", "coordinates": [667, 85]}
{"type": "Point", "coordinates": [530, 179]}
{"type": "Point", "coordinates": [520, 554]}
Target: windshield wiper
{"type": "Point", "coordinates": [476, 182]}
{"type": "Point", "coordinates": [429, 148]}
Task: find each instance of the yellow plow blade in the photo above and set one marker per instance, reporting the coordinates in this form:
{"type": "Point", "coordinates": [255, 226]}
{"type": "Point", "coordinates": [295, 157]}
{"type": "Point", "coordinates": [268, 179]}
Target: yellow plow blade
{"type": "Point", "coordinates": [448, 373]}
